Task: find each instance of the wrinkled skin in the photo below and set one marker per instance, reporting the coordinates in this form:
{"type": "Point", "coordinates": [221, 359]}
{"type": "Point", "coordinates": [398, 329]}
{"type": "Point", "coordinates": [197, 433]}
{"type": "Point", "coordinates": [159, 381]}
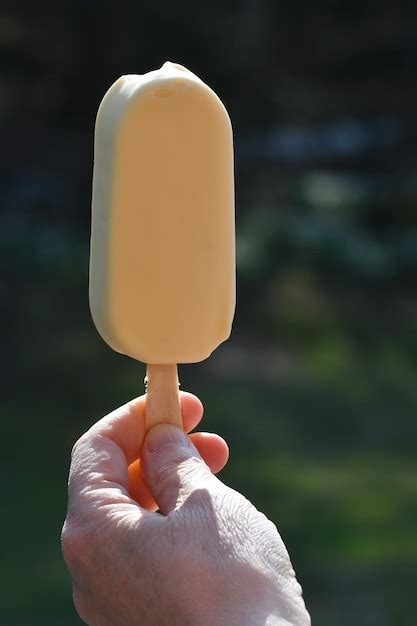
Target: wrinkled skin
{"type": "Point", "coordinates": [208, 558]}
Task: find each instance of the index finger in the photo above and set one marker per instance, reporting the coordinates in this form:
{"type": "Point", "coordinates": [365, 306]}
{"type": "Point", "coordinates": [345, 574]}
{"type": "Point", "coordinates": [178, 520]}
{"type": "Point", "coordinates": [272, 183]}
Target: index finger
{"type": "Point", "coordinates": [126, 424]}
{"type": "Point", "coordinates": [100, 458]}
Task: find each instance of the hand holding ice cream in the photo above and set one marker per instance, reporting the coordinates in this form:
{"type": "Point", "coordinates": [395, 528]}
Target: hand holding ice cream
{"type": "Point", "coordinates": [210, 559]}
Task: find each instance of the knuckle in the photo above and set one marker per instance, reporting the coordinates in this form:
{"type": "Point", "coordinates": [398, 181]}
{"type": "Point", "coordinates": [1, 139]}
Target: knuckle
{"type": "Point", "coordinates": [70, 542]}
{"type": "Point", "coordinates": [76, 544]}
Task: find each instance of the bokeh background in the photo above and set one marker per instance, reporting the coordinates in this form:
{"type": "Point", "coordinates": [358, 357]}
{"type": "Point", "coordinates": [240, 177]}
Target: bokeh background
{"type": "Point", "coordinates": [316, 390]}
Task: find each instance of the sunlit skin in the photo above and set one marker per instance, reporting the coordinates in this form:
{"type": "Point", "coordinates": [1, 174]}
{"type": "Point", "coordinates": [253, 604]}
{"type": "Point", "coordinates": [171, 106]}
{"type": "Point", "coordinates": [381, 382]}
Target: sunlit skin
{"type": "Point", "coordinates": [208, 557]}
{"type": "Point", "coordinates": [213, 449]}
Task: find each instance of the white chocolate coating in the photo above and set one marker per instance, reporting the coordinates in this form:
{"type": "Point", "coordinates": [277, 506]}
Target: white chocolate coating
{"type": "Point", "coordinates": [162, 264]}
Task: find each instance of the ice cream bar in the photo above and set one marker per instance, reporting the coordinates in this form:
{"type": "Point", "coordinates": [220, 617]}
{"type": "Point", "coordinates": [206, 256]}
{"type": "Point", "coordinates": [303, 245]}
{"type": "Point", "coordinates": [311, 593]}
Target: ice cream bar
{"type": "Point", "coordinates": [162, 265]}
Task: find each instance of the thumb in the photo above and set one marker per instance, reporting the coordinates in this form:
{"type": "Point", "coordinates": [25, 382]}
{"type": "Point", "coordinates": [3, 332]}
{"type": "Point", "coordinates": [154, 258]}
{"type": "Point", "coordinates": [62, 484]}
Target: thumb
{"type": "Point", "coordinates": [172, 466]}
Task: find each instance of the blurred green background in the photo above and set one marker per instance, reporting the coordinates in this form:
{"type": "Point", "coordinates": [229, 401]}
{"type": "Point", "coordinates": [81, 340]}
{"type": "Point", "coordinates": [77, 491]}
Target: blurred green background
{"type": "Point", "coordinates": [316, 389]}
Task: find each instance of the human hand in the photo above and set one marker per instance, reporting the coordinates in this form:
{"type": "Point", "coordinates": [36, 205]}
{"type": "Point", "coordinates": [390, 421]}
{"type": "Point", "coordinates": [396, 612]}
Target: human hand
{"type": "Point", "coordinates": [209, 558]}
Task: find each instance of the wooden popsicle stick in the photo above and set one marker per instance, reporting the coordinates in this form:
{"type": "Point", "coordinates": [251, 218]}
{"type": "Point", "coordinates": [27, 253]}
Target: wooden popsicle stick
{"type": "Point", "coordinates": [162, 396]}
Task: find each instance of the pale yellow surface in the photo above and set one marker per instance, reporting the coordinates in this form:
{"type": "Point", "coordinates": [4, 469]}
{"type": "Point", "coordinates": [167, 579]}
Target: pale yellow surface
{"type": "Point", "coordinates": [162, 265]}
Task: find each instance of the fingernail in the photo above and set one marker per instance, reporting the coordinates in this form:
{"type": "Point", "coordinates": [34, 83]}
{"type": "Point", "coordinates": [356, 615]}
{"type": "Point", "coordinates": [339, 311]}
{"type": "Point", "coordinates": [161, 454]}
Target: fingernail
{"type": "Point", "coordinates": [164, 434]}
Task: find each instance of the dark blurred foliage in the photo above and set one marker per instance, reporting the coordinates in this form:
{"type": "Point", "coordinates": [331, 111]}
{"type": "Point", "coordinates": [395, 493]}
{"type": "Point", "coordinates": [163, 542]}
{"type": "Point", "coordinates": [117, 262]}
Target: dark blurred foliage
{"type": "Point", "coordinates": [316, 390]}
